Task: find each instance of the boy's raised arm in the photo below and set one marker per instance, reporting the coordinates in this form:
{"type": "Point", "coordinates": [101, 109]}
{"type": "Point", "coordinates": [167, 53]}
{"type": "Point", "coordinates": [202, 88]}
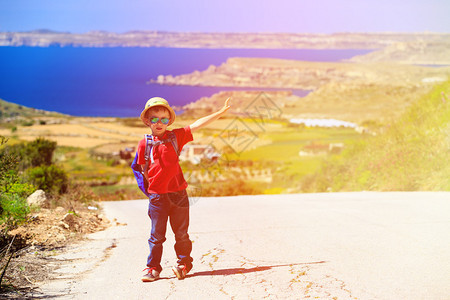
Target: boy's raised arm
{"type": "Point", "coordinates": [202, 122]}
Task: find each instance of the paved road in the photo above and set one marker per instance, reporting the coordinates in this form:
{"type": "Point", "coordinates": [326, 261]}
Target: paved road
{"type": "Point", "coordinates": [307, 246]}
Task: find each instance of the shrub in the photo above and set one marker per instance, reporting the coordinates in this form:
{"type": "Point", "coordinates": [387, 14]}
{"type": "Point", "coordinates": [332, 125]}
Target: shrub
{"type": "Point", "coordinates": [28, 123]}
{"type": "Point", "coordinates": [33, 154]}
{"type": "Point", "coordinates": [15, 209]}
{"type": "Point", "coordinates": [22, 189]}
{"type": "Point", "coordinates": [41, 152]}
{"type": "Point", "coordinates": [51, 179]}
{"type": "Point", "coordinates": [8, 172]}
{"type": "Point", "coordinates": [8, 178]}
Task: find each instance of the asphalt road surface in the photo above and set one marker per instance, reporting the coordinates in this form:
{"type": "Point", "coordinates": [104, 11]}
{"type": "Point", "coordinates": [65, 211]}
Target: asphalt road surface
{"type": "Point", "coordinates": [361, 245]}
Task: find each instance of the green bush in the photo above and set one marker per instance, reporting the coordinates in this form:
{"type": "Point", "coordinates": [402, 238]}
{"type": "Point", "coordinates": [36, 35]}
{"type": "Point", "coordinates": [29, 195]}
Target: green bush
{"type": "Point", "coordinates": [28, 123]}
{"type": "Point", "coordinates": [32, 154]}
{"type": "Point", "coordinates": [8, 169]}
{"type": "Point", "coordinates": [41, 152]}
{"type": "Point", "coordinates": [15, 209]}
{"type": "Point", "coordinates": [22, 189]}
{"type": "Point", "coordinates": [51, 179]}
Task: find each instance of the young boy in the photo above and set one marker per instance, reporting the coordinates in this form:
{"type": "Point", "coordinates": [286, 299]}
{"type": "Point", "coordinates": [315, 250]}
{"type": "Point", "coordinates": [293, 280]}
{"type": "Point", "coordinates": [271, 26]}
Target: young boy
{"type": "Point", "coordinates": [168, 199]}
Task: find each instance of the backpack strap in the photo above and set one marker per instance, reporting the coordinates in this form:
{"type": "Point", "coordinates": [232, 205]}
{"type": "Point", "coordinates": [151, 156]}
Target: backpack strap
{"type": "Point", "coordinates": [151, 150]}
{"type": "Point", "coordinates": [173, 140]}
{"type": "Point", "coordinates": [147, 137]}
{"type": "Point", "coordinates": [148, 152]}
{"type": "Point", "coordinates": [150, 143]}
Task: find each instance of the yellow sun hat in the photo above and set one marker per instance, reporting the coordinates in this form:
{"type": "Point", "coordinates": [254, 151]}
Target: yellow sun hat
{"type": "Point", "coordinates": [157, 101]}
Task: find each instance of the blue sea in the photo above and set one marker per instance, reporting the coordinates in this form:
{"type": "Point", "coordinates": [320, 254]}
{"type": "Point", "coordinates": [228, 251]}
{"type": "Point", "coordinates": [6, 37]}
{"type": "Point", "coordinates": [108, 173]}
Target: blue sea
{"type": "Point", "coordinates": [112, 82]}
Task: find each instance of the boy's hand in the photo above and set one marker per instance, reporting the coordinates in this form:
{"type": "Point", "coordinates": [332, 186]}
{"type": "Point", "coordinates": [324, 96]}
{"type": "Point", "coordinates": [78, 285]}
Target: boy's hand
{"type": "Point", "coordinates": [226, 106]}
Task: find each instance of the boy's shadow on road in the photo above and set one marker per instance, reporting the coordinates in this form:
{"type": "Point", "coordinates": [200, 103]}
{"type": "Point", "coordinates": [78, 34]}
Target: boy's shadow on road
{"type": "Point", "coordinates": [234, 271]}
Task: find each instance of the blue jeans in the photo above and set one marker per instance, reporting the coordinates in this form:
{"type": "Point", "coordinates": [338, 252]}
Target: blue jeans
{"type": "Point", "coordinates": [175, 208]}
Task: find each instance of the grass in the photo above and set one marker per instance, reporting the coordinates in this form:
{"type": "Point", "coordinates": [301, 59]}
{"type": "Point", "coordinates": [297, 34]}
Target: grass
{"type": "Point", "coordinates": [411, 154]}
{"type": "Point", "coordinates": [281, 154]}
{"type": "Point", "coordinates": [81, 166]}
{"type": "Point", "coordinates": [286, 143]}
{"type": "Point", "coordinates": [118, 192]}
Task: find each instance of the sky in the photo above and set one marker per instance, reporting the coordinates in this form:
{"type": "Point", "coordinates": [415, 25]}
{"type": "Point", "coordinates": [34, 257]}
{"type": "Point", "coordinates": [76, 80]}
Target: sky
{"type": "Point", "coordinates": [291, 16]}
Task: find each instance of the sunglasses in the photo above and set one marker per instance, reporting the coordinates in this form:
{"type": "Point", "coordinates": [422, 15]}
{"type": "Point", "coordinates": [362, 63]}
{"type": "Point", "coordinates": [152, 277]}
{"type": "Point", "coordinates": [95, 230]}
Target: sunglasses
{"type": "Point", "coordinates": [155, 120]}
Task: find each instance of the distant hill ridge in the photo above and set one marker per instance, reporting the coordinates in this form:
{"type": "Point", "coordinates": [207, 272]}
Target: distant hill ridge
{"type": "Point", "coordinates": [45, 38]}
{"type": "Point", "coordinates": [10, 111]}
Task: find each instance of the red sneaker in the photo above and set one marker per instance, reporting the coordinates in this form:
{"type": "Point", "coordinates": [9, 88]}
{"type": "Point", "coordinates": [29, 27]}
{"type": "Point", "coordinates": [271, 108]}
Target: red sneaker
{"type": "Point", "coordinates": [151, 275]}
{"type": "Point", "coordinates": [180, 271]}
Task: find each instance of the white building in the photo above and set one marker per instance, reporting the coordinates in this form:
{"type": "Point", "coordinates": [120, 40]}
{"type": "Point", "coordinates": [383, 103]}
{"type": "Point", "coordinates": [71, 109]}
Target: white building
{"type": "Point", "coordinates": [195, 153]}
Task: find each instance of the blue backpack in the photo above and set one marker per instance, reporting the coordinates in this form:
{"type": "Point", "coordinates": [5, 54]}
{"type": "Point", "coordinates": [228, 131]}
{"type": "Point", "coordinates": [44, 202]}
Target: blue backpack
{"type": "Point", "coordinates": [150, 143]}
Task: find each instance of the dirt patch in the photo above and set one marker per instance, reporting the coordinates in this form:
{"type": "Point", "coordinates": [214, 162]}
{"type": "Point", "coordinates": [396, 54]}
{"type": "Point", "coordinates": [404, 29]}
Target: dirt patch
{"type": "Point", "coordinates": [45, 235]}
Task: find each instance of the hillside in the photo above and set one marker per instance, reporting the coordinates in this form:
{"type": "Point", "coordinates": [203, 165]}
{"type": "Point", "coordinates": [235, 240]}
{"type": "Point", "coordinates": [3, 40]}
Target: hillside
{"type": "Point", "coordinates": [417, 52]}
{"type": "Point", "coordinates": [410, 154]}
{"type": "Point", "coordinates": [11, 113]}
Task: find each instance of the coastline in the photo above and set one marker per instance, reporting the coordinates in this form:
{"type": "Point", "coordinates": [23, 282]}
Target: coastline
{"type": "Point", "coordinates": [45, 38]}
